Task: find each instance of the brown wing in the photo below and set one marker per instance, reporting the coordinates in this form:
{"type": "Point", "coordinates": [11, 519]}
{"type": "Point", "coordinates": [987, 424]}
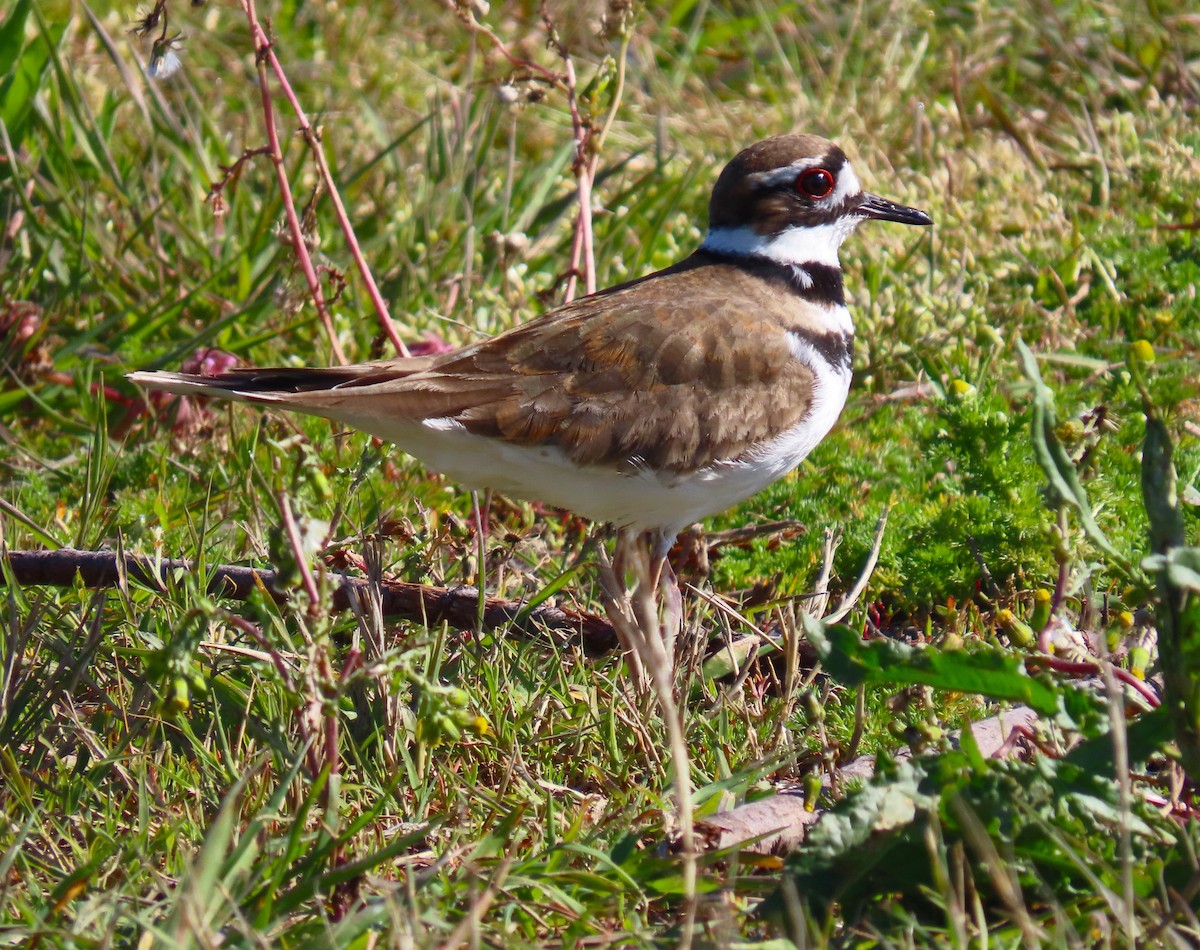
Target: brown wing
{"type": "Point", "coordinates": [676, 371]}
{"type": "Point", "coordinates": [628, 376]}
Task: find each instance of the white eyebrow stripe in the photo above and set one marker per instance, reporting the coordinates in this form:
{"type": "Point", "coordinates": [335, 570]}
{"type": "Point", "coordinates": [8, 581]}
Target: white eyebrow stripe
{"type": "Point", "coordinates": [782, 176]}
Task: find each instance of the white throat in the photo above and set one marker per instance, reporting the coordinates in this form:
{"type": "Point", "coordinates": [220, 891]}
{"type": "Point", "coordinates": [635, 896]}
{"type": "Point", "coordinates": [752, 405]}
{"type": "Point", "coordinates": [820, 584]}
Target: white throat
{"type": "Point", "coordinates": [796, 246]}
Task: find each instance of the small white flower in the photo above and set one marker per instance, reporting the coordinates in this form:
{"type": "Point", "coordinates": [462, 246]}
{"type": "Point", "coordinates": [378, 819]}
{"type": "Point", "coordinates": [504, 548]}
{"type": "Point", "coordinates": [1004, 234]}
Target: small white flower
{"type": "Point", "coordinates": [164, 57]}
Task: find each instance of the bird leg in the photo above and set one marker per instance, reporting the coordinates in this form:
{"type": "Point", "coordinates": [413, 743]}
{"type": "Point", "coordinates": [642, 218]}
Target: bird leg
{"type": "Point", "coordinates": [624, 555]}
{"type": "Point", "coordinates": [643, 598]}
{"type": "Point", "coordinates": [667, 586]}
{"type": "Point", "coordinates": [671, 600]}
{"type": "Point", "coordinates": [618, 603]}
{"type": "Point", "coordinates": [650, 608]}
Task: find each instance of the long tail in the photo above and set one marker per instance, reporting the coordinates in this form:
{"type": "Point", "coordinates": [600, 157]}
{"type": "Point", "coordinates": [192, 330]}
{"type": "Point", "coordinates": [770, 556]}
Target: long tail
{"type": "Point", "coordinates": [383, 398]}
{"type": "Point", "coordinates": [277, 385]}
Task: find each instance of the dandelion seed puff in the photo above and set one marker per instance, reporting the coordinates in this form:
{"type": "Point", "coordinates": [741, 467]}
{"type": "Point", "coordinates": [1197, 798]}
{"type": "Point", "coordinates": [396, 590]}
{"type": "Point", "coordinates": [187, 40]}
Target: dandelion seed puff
{"type": "Point", "coordinates": [164, 65]}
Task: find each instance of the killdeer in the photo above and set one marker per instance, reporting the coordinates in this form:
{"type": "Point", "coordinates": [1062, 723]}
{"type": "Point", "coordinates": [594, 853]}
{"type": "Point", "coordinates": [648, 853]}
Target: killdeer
{"type": "Point", "coordinates": [649, 405]}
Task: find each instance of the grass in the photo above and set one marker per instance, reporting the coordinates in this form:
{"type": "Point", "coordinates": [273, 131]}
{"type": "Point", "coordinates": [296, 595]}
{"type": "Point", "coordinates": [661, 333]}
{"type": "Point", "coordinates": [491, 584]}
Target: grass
{"type": "Point", "coordinates": [180, 770]}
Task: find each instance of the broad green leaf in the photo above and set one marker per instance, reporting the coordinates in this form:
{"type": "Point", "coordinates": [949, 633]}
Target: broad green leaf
{"type": "Point", "coordinates": [12, 35]}
{"type": "Point", "coordinates": [985, 672]}
{"type": "Point", "coordinates": [21, 85]}
{"type": "Point", "coordinates": [1055, 462]}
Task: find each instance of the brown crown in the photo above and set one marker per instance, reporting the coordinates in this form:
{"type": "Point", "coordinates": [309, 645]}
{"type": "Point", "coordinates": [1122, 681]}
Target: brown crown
{"type": "Point", "coordinates": [739, 200]}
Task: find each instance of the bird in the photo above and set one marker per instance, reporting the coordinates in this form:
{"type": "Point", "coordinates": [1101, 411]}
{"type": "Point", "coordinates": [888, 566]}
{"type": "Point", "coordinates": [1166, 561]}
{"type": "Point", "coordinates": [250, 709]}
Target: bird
{"type": "Point", "coordinates": [649, 405]}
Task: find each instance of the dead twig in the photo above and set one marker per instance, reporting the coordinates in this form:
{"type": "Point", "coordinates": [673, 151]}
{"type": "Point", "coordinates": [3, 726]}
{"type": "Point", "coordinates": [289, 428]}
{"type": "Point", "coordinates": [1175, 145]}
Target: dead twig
{"type": "Point", "coordinates": [864, 577]}
{"type": "Point", "coordinates": [420, 603]}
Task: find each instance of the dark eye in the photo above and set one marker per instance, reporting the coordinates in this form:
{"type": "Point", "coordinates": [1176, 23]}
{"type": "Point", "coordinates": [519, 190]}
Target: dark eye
{"type": "Point", "coordinates": [816, 183]}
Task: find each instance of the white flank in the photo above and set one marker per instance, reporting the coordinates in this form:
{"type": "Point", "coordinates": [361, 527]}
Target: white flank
{"type": "Point", "coordinates": [638, 499]}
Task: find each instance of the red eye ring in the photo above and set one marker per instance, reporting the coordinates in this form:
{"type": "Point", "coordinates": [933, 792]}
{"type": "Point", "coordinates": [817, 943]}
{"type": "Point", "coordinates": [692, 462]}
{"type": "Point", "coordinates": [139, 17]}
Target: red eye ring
{"type": "Point", "coordinates": [815, 182]}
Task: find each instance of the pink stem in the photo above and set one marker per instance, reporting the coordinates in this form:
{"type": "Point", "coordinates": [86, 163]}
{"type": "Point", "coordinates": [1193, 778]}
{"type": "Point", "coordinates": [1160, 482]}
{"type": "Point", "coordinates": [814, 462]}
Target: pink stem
{"type": "Point", "coordinates": [261, 47]}
{"type": "Point", "coordinates": [314, 140]}
{"type": "Point", "coordinates": [1093, 669]}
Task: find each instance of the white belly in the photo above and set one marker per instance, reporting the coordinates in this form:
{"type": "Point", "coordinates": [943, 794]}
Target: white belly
{"type": "Point", "coordinates": [637, 498]}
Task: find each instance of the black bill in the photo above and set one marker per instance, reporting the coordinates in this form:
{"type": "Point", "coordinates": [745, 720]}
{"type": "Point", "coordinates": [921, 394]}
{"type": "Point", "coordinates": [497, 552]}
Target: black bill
{"type": "Point", "coordinates": [873, 206]}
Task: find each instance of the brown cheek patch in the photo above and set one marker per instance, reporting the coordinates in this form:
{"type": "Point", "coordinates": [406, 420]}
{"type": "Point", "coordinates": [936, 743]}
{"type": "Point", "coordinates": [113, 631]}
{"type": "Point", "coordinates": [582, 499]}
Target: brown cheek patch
{"type": "Point", "coordinates": [775, 212]}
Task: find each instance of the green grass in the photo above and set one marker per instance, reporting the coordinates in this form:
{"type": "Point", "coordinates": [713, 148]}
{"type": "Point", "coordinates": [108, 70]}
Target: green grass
{"type": "Point", "coordinates": [182, 770]}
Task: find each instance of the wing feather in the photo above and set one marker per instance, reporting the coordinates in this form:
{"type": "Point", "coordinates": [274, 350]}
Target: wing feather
{"type": "Point", "coordinates": [675, 373]}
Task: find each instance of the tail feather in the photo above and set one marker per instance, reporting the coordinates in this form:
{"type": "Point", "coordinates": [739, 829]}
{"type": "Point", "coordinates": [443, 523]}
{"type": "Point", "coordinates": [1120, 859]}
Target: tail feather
{"type": "Point", "coordinates": [375, 397]}
{"type": "Point", "coordinates": [252, 385]}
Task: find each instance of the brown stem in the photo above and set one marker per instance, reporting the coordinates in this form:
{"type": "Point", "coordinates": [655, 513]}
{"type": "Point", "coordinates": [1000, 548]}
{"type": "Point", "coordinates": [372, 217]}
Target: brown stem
{"type": "Point", "coordinates": [265, 56]}
{"type": "Point", "coordinates": [583, 249]}
{"type": "Point", "coordinates": [467, 18]}
{"type": "Point", "coordinates": [313, 138]}
{"type": "Point", "coordinates": [292, 531]}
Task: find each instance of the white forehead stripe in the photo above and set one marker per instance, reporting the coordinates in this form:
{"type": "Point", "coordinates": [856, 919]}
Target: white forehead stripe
{"type": "Point", "coordinates": [847, 184]}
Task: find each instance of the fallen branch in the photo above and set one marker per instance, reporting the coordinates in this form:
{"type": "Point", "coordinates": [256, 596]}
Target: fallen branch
{"type": "Point", "coordinates": [422, 603]}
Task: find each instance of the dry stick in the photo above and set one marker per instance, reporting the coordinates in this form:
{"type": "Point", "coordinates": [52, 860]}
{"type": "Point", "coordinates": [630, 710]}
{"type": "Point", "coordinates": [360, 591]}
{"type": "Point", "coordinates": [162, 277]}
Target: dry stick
{"type": "Point", "coordinates": [323, 712]}
{"type": "Point", "coordinates": [381, 309]}
{"type": "Point", "coordinates": [820, 594]}
{"type": "Point", "coordinates": [864, 577]}
{"type": "Point", "coordinates": [582, 245]}
{"type": "Point", "coordinates": [583, 248]}
{"type": "Point", "coordinates": [419, 603]}
{"type": "Point", "coordinates": [292, 531]}
{"type": "Point", "coordinates": [262, 52]}
{"type": "Point", "coordinates": [592, 143]}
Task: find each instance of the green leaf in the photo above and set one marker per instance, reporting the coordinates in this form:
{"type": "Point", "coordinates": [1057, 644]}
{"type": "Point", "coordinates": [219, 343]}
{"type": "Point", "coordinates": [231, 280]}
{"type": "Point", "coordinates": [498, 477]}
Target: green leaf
{"type": "Point", "coordinates": [22, 83]}
{"type": "Point", "coordinates": [1159, 492]}
{"type": "Point", "coordinates": [1053, 458]}
{"type": "Point", "coordinates": [1178, 575]}
{"type": "Point", "coordinates": [985, 671]}
{"type": "Point", "coordinates": [12, 35]}
{"type": "Point", "coordinates": [1144, 737]}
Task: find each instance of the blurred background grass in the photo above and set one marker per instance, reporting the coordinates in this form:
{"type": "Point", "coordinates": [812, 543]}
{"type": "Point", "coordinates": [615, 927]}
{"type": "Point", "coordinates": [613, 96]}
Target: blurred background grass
{"type": "Point", "coordinates": [1055, 145]}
